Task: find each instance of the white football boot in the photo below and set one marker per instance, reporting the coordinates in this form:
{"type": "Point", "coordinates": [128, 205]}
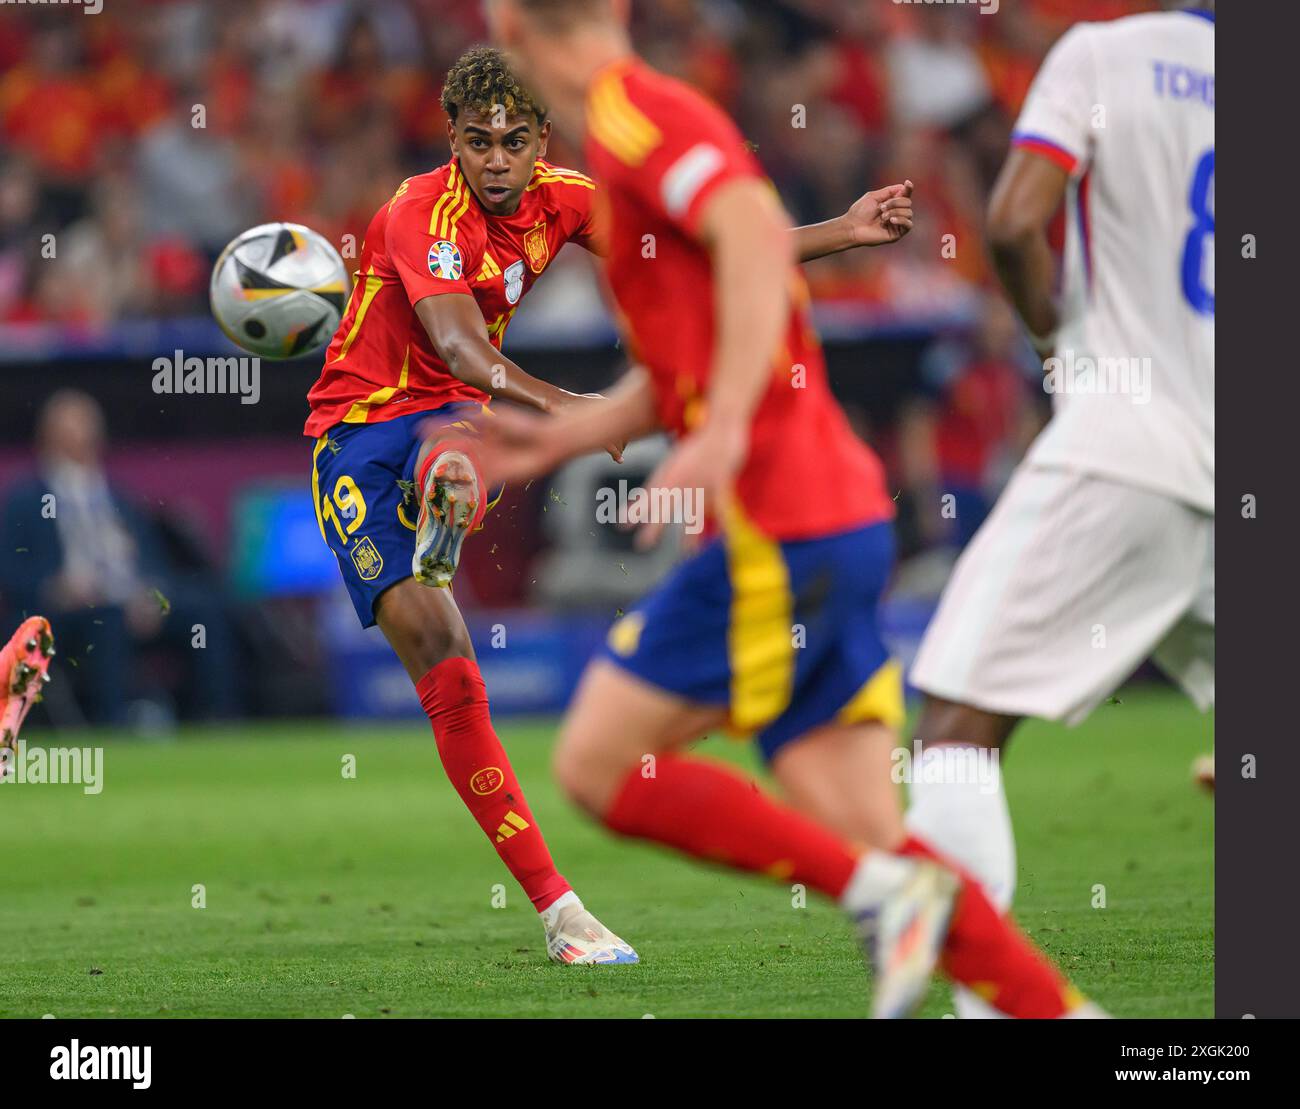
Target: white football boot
{"type": "Point", "coordinates": [901, 908]}
{"type": "Point", "coordinates": [575, 937]}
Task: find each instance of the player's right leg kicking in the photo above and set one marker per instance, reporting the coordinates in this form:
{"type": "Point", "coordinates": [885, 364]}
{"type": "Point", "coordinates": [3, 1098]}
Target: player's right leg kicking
{"type": "Point", "coordinates": [453, 502]}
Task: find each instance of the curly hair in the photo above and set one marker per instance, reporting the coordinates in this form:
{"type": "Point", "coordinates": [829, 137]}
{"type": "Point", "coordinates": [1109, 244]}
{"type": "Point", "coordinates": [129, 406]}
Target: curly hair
{"type": "Point", "coordinates": [480, 80]}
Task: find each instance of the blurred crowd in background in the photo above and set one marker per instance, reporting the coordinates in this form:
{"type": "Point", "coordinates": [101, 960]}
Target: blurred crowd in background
{"type": "Point", "coordinates": [146, 136]}
{"type": "Point", "coordinates": [314, 110]}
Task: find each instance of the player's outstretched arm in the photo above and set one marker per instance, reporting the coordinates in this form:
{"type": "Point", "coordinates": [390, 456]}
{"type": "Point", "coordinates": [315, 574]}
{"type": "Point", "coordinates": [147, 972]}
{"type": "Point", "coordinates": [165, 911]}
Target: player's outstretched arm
{"type": "Point", "coordinates": [1025, 197]}
{"type": "Point", "coordinates": [518, 445]}
{"type": "Point", "coordinates": [878, 217]}
{"type": "Point", "coordinates": [455, 327]}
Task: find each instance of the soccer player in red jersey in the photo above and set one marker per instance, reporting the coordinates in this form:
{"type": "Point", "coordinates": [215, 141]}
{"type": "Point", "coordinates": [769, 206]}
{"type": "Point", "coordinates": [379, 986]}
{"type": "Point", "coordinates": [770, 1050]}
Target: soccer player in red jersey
{"type": "Point", "coordinates": [770, 628]}
{"type": "Point", "coordinates": [443, 268]}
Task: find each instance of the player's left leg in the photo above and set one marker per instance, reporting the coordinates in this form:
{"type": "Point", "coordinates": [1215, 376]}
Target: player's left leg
{"type": "Point", "coordinates": [24, 668]}
{"type": "Point", "coordinates": [453, 502]}
{"type": "Point", "coordinates": [844, 775]}
{"type": "Point", "coordinates": [427, 632]}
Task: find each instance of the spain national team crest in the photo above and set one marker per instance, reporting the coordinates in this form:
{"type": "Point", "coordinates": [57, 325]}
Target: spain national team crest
{"type": "Point", "coordinates": [367, 559]}
{"type": "Point", "coordinates": [535, 248]}
{"type": "Point", "coordinates": [625, 634]}
{"type": "Point", "coordinates": [515, 282]}
{"type": "Point", "coordinates": [445, 260]}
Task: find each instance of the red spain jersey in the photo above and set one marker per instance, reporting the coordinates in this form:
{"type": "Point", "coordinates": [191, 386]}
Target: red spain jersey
{"type": "Point", "coordinates": [659, 151]}
{"type": "Point", "coordinates": [431, 239]}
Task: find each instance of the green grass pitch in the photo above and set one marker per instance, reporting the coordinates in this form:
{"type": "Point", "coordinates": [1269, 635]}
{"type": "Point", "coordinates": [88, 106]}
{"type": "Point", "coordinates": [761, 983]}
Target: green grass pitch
{"type": "Point", "coordinates": [374, 895]}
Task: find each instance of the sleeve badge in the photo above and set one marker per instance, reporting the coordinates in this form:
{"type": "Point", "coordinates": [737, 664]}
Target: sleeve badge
{"type": "Point", "coordinates": [445, 260]}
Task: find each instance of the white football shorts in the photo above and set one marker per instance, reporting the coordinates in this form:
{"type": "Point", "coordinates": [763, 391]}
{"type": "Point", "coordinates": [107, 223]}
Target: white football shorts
{"type": "Point", "coordinates": [1070, 584]}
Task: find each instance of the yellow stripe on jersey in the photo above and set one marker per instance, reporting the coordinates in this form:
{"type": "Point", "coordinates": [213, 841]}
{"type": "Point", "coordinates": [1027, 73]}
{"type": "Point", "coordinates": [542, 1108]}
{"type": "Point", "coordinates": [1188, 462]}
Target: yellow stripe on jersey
{"type": "Point", "coordinates": [618, 124]}
{"type": "Point", "coordinates": [436, 214]}
{"type": "Point", "coordinates": [543, 173]}
{"type": "Point", "coordinates": [545, 169]}
{"type": "Point", "coordinates": [454, 217]}
{"type": "Point", "coordinates": [614, 110]}
{"type": "Point", "coordinates": [359, 413]}
{"type": "Point", "coordinates": [497, 328]}
{"type": "Point", "coordinates": [541, 166]}
{"type": "Point", "coordinates": [760, 636]}
{"type": "Point", "coordinates": [453, 200]}
{"type": "Point", "coordinates": [537, 182]}
{"type": "Point", "coordinates": [445, 201]}
{"type": "Point", "coordinates": [451, 205]}
{"type": "Point", "coordinates": [370, 286]}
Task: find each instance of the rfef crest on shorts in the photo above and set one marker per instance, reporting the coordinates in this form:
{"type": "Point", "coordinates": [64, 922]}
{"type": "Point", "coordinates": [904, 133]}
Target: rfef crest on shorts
{"type": "Point", "coordinates": [445, 260]}
{"type": "Point", "coordinates": [367, 559]}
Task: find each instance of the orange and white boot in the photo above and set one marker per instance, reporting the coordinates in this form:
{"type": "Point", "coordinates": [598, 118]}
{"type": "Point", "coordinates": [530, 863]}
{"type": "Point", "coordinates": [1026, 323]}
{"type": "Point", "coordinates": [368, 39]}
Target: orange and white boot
{"type": "Point", "coordinates": [453, 502]}
{"type": "Point", "coordinates": [25, 668]}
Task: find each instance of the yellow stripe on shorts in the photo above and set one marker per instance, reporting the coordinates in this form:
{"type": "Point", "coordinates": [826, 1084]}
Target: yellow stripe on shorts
{"type": "Point", "coordinates": [760, 636]}
{"type": "Point", "coordinates": [880, 698]}
{"type": "Point", "coordinates": [315, 484]}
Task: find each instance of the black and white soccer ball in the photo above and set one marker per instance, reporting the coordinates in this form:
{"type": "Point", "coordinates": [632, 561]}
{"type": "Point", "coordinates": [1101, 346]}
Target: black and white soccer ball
{"type": "Point", "coordinates": [279, 290]}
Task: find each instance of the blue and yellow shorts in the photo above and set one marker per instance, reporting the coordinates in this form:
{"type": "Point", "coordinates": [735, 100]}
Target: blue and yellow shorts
{"type": "Point", "coordinates": [363, 486]}
{"type": "Point", "coordinates": [785, 635]}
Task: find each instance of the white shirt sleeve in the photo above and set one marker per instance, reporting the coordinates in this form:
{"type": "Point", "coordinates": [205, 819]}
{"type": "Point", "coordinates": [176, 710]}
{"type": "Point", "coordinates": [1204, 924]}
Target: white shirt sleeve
{"type": "Point", "coordinates": [1059, 114]}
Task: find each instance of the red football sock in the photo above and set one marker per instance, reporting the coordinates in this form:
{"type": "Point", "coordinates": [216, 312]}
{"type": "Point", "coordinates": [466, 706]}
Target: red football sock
{"type": "Point", "coordinates": [986, 952]}
{"type": "Point", "coordinates": [712, 813]}
{"type": "Point", "coordinates": [455, 699]}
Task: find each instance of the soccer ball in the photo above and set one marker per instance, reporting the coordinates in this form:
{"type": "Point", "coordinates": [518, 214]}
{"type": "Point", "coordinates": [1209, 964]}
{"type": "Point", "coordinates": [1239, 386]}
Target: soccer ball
{"type": "Point", "coordinates": [278, 290]}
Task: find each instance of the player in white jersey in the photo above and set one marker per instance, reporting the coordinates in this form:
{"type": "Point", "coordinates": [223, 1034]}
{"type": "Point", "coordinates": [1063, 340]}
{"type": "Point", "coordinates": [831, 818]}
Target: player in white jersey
{"type": "Point", "coordinates": [1100, 552]}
